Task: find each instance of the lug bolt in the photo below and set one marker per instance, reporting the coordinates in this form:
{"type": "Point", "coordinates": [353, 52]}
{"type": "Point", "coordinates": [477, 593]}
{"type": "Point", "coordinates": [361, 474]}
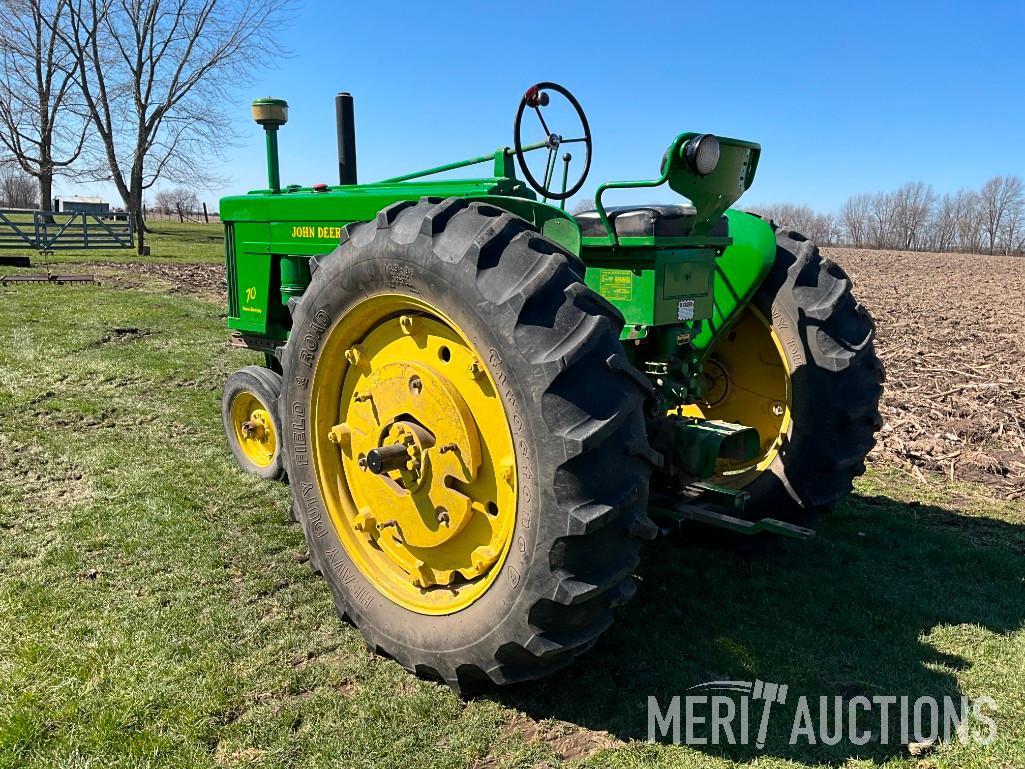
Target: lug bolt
{"type": "Point", "coordinates": [353, 355]}
{"type": "Point", "coordinates": [364, 521]}
{"type": "Point", "coordinates": [423, 576]}
{"type": "Point", "coordinates": [339, 434]}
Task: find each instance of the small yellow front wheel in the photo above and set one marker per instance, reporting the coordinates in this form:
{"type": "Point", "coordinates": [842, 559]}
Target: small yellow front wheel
{"type": "Point", "coordinates": [249, 410]}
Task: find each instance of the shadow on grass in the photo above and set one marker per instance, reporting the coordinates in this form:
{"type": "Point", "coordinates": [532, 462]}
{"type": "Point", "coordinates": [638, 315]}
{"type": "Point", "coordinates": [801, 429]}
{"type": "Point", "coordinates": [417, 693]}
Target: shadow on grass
{"type": "Point", "coordinates": [847, 613]}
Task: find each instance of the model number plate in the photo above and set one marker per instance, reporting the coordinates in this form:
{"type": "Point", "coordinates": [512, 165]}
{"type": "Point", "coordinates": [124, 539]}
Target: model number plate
{"type": "Point", "coordinates": [616, 285]}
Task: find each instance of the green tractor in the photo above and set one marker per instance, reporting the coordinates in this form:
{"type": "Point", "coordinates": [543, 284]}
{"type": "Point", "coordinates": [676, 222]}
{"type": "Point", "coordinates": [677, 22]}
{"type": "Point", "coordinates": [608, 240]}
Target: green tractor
{"type": "Point", "coordinates": [484, 404]}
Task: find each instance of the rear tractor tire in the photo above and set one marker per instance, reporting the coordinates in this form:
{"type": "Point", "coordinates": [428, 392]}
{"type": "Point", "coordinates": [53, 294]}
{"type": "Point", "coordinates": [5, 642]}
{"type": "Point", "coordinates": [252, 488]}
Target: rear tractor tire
{"type": "Point", "coordinates": [465, 442]}
{"type": "Point", "coordinates": [249, 411]}
{"type": "Point", "coordinates": [800, 366]}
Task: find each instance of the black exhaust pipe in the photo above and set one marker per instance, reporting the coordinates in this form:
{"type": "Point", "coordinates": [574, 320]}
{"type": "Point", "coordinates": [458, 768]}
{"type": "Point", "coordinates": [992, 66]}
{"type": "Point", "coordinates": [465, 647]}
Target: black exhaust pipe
{"type": "Point", "coordinates": [346, 139]}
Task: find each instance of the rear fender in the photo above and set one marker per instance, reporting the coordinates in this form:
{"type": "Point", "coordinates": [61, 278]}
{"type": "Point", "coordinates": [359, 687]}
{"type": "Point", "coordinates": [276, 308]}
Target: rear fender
{"type": "Point", "coordinates": [554, 223]}
{"type": "Point", "coordinates": [738, 274]}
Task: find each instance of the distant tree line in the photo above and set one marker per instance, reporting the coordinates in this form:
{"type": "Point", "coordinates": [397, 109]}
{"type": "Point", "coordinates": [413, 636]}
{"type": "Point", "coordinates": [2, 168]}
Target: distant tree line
{"type": "Point", "coordinates": [915, 218]}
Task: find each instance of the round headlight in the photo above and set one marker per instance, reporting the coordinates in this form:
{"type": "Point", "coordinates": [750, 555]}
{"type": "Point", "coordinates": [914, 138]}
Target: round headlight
{"type": "Point", "coordinates": [702, 154]}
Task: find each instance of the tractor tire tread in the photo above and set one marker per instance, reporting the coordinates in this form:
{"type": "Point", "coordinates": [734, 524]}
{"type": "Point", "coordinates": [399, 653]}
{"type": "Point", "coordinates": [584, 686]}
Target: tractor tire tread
{"type": "Point", "coordinates": [841, 370]}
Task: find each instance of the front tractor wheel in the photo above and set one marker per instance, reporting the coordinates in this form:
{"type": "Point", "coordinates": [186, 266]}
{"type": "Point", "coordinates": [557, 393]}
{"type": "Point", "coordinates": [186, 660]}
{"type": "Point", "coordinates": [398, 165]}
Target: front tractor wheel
{"type": "Point", "coordinates": [465, 442]}
{"type": "Point", "coordinates": [800, 367]}
{"type": "Point", "coordinates": [249, 411]}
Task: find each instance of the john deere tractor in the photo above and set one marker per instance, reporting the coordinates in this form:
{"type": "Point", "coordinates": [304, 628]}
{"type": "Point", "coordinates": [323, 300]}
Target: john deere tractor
{"type": "Point", "coordinates": [485, 404]}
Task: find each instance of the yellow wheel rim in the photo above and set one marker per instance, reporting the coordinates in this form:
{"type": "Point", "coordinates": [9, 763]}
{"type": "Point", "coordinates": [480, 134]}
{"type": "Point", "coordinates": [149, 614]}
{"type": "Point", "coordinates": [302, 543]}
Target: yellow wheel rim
{"type": "Point", "coordinates": [254, 429]}
{"type": "Point", "coordinates": [414, 454]}
{"type": "Point", "coordinates": [750, 386]}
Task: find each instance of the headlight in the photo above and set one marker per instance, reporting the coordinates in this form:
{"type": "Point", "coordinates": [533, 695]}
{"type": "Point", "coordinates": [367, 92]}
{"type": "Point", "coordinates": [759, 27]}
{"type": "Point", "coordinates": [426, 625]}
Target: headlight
{"type": "Point", "coordinates": [702, 154]}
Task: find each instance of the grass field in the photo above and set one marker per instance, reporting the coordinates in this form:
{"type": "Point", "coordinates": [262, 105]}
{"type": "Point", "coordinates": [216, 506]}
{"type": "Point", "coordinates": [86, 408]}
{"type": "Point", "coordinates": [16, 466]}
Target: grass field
{"type": "Point", "coordinates": [156, 608]}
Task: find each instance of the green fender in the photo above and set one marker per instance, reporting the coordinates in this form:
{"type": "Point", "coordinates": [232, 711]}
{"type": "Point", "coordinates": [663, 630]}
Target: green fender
{"type": "Point", "coordinates": [738, 274]}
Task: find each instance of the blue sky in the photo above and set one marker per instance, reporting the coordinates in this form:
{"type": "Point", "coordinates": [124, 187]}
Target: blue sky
{"type": "Point", "coordinates": [843, 97]}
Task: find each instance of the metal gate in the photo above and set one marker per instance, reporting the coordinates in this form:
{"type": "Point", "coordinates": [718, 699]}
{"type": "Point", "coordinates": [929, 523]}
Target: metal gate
{"type": "Point", "coordinates": [51, 231]}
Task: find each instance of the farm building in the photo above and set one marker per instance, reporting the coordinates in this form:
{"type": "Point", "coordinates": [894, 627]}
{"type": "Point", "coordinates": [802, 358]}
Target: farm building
{"type": "Point", "coordinates": [81, 205]}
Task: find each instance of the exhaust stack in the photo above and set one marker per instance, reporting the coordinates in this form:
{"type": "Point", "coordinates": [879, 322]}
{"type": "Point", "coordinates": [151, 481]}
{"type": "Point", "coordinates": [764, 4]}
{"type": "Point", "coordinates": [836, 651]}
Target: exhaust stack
{"type": "Point", "coordinates": [346, 123]}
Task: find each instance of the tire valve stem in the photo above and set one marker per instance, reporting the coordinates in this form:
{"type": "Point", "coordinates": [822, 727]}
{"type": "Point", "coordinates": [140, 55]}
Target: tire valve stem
{"type": "Point", "coordinates": [442, 515]}
{"type": "Point", "coordinates": [778, 409]}
{"type": "Point", "coordinates": [362, 397]}
{"type": "Point", "coordinates": [445, 449]}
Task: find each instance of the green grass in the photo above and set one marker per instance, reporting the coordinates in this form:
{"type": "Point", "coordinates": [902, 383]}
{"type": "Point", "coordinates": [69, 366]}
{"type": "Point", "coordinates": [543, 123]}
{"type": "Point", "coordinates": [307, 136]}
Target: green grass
{"type": "Point", "coordinates": [168, 242]}
{"type": "Point", "coordinates": [156, 610]}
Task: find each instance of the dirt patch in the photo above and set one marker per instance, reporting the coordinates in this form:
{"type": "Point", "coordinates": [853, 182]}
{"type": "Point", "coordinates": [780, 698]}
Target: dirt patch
{"type": "Point", "coordinates": [121, 334]}
{"type": "Point", "coordinates": [569, 741]}
{"type": "Point", "coordinates": [950, 332]}
{"type": "Point", "coordinates": [34, 480]}
{"type": "Point", "coordinates": [204, 279]}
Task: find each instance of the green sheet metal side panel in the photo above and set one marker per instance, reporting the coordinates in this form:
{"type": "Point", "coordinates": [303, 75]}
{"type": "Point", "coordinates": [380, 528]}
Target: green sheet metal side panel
{"type": "Point", "coordinates": [738, 274]}
{"type": "Point", "coordinates": [653, 286]}
{"type": "Point", "coordinates": [302, 222]}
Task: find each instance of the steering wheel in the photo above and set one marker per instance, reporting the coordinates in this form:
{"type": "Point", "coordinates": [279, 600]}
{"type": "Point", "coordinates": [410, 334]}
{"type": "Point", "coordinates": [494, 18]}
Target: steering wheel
{"type": "Point", "coordinates": [537, 97]}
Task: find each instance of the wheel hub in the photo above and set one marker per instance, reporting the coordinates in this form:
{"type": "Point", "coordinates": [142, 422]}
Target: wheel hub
{"type": "Point", "coordinates": [429, 472]}
{"type": "Point", "coordinates": [254, 429]}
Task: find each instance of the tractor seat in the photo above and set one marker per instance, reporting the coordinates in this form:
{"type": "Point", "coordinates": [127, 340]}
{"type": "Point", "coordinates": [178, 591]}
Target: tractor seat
{"type": "Point", "coordinates": [660, 221]}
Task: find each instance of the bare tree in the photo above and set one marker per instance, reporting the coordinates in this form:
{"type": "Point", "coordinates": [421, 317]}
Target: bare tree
{"type": "Point", "coordinates": [943, 225]}
{"type": "Point", "coordinates": [999, 196]}
{"type": "Point", "coordinates": [17, 189]}
{"type": "Point", "coordinates": [912, 206]}
{"type": "Point", "coordinates": [822, 228]}
{"type": "Point", "coordinates": [40, 123]}
{"type": "Point", "coordinates": [881, 228]}
{"type": "Point", "coordinates": [1012, 236]}
{"type": "Point", "coordinates": [854, 216]}
{"type": "Point", "coordinates": [156, 76]}
{"type": "Point", "coordinates": [177, 199]}
{"type": "Point", "coordinates": [969, 223]}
